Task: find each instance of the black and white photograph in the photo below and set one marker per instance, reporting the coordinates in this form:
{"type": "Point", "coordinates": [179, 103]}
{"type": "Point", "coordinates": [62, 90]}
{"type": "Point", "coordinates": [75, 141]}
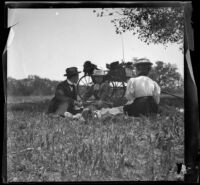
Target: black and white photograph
{"type": "Point", "coordinates": [95, 94]}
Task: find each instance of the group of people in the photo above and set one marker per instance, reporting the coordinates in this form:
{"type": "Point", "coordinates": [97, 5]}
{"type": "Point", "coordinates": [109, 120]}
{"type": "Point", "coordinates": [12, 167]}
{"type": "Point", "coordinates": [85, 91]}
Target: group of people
{"type": "Point", "coordinates": [142, 93]}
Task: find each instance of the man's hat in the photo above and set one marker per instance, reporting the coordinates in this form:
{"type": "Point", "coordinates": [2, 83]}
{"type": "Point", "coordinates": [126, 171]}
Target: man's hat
{"type": "Point", "coordinates": [98, 73]}
{"type": "Point", "coordinates": [142, 61]}
{"type": "Point", "coordinates": [71, 71]}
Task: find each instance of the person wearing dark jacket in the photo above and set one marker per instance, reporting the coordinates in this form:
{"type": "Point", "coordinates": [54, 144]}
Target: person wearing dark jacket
{"type": "Point", "coordinates": [142, 93]}
{"type": "Point", "coordinates": [65, 99]}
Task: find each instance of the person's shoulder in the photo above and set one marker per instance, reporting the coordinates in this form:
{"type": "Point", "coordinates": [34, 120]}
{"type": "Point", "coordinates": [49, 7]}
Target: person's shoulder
{"type": "Point", "coordinates": [155, 83]}
{"type": "Point", "coordinates": [132, 79]}
{"type": "Point", "coordinates": [62, 83]}
{"type": "Point", "coordinates": [139, 78]}
{"type": "Point", "coordinates": [146, 78]}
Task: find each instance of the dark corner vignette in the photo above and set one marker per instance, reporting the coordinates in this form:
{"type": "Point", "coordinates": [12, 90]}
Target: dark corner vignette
{"type": "Point", "coordinates": [192, 141]}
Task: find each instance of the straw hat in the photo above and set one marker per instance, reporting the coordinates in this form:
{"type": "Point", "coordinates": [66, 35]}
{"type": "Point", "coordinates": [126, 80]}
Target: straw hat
{"type": "Point", "coordinates": [98, 73]}
{"type": "Point", "coordinates": [142, 61]}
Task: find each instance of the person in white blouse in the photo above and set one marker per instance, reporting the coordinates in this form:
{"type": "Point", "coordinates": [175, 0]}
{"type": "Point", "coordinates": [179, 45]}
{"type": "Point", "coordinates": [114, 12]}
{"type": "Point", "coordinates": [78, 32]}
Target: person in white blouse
{"type": "Point", "coordinates": [142, 93]}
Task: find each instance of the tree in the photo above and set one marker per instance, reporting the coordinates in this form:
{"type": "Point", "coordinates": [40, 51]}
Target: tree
{"type": "Point", "coordinates": [166, 75]}
{"type": "Point", "coordinates": [33, 85]}
{"type": "Point", "coordinates": [12, 85]}
{"type": "Point", "coordinates": [151, 25]}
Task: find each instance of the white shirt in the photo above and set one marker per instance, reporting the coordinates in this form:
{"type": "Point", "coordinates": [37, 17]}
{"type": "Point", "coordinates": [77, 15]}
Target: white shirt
{"type": "Point", "coordinates": [142, 86]}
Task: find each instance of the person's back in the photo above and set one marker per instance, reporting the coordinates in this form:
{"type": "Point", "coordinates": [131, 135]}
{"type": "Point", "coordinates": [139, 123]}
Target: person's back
{"type": "Point", "coordinates": [143, 86]}
{"type": "Point", "coordinates": [142, 93]}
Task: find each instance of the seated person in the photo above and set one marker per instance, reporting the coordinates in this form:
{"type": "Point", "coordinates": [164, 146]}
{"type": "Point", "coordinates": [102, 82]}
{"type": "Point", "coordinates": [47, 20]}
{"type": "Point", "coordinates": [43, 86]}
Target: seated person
{"type": "Point", "coordinates": [65, 99]}
{"type": "Point", "coordinates": [100, 89]}
{"type": "Point", "coordinates": [142, 93]}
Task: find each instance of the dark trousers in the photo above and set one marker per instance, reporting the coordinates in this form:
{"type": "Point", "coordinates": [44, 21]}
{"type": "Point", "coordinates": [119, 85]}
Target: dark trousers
{"type": "Point", "coordinates": [141, 106]}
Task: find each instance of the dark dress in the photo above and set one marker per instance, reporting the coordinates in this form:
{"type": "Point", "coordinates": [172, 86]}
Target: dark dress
{"type": "Point", "coordinates": [141, 106]}
{"type": "Point", "coordinates": [63, 102]}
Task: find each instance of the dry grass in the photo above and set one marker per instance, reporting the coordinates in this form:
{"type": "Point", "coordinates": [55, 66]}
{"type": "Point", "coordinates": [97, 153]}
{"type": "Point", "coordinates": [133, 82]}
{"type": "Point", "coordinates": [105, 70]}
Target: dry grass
{"type": "Point", "coordinates": [42, 148]}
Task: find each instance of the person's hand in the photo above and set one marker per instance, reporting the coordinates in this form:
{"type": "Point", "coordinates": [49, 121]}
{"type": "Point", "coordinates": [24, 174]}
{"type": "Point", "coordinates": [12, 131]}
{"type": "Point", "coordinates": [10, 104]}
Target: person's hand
{"type": "Point", "coordinates": [129, 102]}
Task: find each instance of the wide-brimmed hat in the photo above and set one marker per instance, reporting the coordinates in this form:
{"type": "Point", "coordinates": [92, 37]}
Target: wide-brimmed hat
{"type": "Point", "coordinates": [142, 61]}
{"type": "Point", "coordinates": [71, 71]}
{"type": "Point", "coordinates": [99, 72]}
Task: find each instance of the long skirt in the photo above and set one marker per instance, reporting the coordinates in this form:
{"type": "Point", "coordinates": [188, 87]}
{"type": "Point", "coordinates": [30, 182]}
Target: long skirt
{"type": "Point", "coordinates": [141, 106]}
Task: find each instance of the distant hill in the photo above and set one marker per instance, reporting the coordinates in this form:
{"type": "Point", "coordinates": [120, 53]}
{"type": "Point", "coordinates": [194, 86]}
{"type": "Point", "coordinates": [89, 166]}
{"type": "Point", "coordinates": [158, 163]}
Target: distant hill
{"type": "Point", "coordinates": [33, 85]}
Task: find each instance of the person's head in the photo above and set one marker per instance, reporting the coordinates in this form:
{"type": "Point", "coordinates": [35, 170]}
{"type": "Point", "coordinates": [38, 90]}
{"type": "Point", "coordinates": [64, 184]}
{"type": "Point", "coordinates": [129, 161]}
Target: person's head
{"type": "Point", "coordinates": [72, 74]}
{"type": "Point", "coordinates": [142, 67]}
{"type": "Point", "coordinates": [98, 76]}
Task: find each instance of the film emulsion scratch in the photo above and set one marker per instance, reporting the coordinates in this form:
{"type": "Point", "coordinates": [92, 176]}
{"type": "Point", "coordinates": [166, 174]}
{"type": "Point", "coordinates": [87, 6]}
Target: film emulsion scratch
{"type": "Point", "coordinates": [100, 92]}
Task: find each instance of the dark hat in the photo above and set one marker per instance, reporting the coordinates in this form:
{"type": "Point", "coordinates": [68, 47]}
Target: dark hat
{"type": "Point", "coordinates": [71, 71]}
{"type": "Point", "coordinates": [142, 61]}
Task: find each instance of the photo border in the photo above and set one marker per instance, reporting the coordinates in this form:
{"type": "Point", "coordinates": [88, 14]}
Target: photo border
{"type": "Point", "coordinates": [191, 123]}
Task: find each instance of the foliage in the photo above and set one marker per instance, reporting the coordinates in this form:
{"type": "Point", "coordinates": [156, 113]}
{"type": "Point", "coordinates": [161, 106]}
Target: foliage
{"type": "Point", "coordinates": [151, 25]}
{"type": "Point", "coordinates": [33, 85]}
{"type": "Point", "coordinates": [44, 148]}
{"type": "Point", "coordinates": [166, 75]}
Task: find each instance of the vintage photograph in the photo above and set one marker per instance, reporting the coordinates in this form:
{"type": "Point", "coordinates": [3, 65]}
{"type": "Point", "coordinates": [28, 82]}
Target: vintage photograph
{"type": "Point", "coordinates": [95, 94]}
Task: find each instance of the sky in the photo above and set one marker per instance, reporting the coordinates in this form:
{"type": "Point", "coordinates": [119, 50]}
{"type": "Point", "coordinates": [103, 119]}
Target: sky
{"type": "Point", "coordinates": [45, 42]}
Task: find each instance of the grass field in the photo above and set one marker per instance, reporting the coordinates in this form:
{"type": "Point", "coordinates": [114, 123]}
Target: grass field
{"type": "Point", "coordinates": [43, 148]}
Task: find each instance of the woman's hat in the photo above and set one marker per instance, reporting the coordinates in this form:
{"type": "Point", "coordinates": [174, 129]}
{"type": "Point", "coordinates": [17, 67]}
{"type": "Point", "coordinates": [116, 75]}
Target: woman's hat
{"type": "Point", "coordinates": [142, 61]}
{"type": "Point", "coordinates": [72, 71]}
{"type": "Point", "coordinates": [98, 72]}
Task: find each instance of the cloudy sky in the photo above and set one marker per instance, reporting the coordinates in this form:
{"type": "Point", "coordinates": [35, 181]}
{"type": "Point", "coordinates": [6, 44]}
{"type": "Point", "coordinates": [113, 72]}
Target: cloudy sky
{"type": "Point", "coordinates": [45, 42]}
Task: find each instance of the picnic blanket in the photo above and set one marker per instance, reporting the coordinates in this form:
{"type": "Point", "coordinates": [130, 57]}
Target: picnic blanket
{"type": "Point", "coordinates": [89, 113]}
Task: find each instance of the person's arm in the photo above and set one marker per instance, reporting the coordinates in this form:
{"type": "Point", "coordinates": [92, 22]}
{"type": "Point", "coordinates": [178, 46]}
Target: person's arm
{"type": "Point", "coordinates": [59, 94]}
{"type": "Point", "coordinates": [130, 91]}
{"type": "Point", "coordinates": [156, 93]}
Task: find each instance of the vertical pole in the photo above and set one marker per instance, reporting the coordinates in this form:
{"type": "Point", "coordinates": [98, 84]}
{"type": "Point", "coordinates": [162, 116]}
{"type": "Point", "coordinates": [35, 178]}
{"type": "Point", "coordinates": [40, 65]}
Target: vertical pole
{"type": "Point", "coordinates": [122, 47]}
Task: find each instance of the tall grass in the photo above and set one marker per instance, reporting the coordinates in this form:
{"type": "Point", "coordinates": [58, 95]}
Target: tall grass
{"type": "Point", "coordinates": [43, 148]}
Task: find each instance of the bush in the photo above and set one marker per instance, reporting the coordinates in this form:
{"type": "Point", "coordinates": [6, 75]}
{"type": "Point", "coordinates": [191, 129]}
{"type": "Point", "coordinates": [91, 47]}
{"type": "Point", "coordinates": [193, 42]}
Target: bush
{"type": "Point", "coordinates": [33, 85]}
